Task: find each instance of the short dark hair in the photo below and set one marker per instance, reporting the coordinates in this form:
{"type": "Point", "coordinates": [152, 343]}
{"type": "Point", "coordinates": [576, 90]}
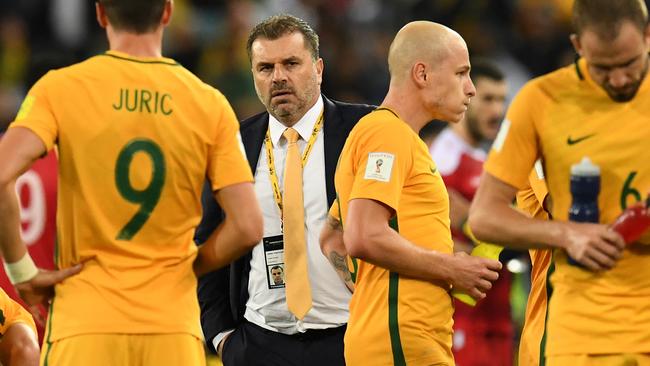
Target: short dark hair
{"type": "Point", "coordinates": [137, 16]}
{"type": "Point", "coordinates": [606, 16]}
{"type": "Point", "coordinates": [277, 26]}
{"type": "Point", "coordinates": [277, 267]}
{"type": "Point", "coordinates": [482, 68]}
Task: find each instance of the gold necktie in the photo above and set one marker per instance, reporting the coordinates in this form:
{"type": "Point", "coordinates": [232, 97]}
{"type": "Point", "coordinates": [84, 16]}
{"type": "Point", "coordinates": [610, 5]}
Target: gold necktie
{"type": "Point", "coordinates": [298, 291]}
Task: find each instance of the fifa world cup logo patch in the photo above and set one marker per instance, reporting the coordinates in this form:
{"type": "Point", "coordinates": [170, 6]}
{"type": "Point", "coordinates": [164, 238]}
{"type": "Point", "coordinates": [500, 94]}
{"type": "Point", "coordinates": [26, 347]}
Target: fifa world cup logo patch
{"type": "Point", "coordinates": [378, 165]}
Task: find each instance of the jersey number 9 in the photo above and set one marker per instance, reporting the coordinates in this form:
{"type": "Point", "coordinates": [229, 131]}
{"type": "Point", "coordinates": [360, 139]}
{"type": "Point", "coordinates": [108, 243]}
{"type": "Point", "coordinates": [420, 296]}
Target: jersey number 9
{"type": "Point", "coordinates": [147, 197]}
{"type": "Point", "coordinates": [33, 213]}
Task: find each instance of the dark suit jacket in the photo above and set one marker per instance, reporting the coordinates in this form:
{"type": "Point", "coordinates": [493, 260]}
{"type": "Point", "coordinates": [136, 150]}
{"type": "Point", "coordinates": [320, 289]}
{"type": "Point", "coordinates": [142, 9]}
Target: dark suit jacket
{"type": "Point", "coordinates": [223, 294]}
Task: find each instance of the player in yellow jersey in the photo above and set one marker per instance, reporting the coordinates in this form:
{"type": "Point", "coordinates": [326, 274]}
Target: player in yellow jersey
{"type": "Point", "coordinates": [136, 135]}
{"type": "Point", "coordinates": [18, 340]}
{"type": "Point", "coordinates": [395, 209]}
{"type": "Point", "coordinates": [598, 314]}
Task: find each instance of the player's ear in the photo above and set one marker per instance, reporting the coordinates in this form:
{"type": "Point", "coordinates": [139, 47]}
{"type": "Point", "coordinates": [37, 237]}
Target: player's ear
{"type": "Point", "coordinates": [100, 11]}
{"type": "Point", "coordinates": [646, 36]}
{"type": "Point", "coordinates": [319, 70]}
{"type": "Point", "coordinates": [419, 74]}
{"type": "Point", "coordinates": [167, 12]}
{"type": "Point", "coordinates": [575, 41]}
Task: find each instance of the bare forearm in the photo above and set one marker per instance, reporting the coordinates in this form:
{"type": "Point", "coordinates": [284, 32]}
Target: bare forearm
{"type": "Point", "coordinates": [507, 226]}
{"type": "Point", "coordinates": [390, 250]}
{"type": "Point", "coordinates": [493, 219]}
{"type": "Point", "coordinates": [11, 243]}
{"type": "Point", "coordinates": [340, 263]}
{"type": "Point", "coordinates": [331, 241]}
{"type": "Point", "coordinates": [369, 237]}
{"type": "Point", "coordinates": [241, 230]}
{"type": "Point", "coordinates": [222, 247]}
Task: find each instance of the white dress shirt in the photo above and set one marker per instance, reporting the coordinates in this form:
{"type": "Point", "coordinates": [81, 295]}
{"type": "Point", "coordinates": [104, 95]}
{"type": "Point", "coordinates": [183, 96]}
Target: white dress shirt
{"type": "Point", "coordinates": [267, 307]}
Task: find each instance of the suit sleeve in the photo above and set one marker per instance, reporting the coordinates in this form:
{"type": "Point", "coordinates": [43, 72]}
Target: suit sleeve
{"type": "Point", "coordinates": [214, 300]}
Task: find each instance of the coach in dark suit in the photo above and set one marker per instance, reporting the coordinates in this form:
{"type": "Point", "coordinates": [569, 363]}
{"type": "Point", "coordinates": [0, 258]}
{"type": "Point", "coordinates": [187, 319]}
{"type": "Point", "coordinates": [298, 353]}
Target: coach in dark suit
{"type": "Point", "coordinates": [250, 314]}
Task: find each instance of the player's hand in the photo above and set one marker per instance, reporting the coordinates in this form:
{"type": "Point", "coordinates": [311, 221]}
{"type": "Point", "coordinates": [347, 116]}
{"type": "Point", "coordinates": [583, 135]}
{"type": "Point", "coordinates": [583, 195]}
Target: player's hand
{"type": "Point", "coordinates": [40, 289]}
{"type": "Point", "coordinates": [220, 346]}
{"type": "Point", "coordinates": [594, 246]}
{"type": "Point", "coordinates": [38, 313]}
{"type": "Point", "coordinates": [473, 275]}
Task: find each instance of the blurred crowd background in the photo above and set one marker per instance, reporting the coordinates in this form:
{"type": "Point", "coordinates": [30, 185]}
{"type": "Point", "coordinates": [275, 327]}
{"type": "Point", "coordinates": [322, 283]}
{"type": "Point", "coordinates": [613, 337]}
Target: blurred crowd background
{"type": "Point", "coordinates": [525, 37]}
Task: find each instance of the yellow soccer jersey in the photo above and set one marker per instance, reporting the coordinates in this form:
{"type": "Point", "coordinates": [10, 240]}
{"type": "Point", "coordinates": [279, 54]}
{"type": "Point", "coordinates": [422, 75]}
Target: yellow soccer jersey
{"type": "Point", "coordinates": [563, 117]}
{"type": "Point", "coordinates": [396, 320]}
{"type": "Point", "coordinates": [136, 138]}
{"type": "Point", "coordinates": [528, 200]}
{"type": "Point", "coordinates": [11, 313]}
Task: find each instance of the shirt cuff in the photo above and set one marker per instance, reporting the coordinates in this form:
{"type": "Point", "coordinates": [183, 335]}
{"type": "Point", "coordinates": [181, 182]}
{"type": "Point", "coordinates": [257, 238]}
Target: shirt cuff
{"type": "Point", "coordinates": [219, 337]}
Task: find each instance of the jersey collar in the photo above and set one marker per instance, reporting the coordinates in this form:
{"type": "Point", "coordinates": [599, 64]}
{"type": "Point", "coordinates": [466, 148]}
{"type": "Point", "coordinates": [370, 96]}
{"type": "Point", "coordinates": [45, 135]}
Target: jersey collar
{"type": "Point", "coordinates": [146, 60]}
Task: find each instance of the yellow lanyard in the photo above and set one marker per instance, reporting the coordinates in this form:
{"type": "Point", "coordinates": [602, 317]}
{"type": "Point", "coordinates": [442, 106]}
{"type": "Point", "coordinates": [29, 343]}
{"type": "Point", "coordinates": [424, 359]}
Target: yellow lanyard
{"type": "Point", "coordinates": [271, 162]}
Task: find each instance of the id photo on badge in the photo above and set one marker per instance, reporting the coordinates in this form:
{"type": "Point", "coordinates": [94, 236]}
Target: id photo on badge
{"type": "Point", "coordinates": [276, 276]}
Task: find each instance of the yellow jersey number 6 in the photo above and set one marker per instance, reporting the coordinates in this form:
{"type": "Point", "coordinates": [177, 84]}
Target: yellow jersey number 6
{"type": "Point", "coordinates": [148, 197]}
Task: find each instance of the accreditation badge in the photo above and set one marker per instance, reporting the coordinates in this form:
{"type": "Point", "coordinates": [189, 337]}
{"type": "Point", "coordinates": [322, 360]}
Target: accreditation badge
{"type": "Point", "coordinates": [274, 260]}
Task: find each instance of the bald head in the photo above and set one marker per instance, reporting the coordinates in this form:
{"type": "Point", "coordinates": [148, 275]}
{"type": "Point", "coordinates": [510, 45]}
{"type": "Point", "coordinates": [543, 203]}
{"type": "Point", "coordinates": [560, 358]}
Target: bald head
{"type": "Point", "coordinates": [421, 41]}
{"type": "Point", "coordinates": [429, 73]}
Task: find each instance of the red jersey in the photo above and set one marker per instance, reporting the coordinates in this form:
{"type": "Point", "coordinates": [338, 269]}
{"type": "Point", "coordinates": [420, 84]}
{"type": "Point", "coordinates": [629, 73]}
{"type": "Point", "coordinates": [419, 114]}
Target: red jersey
{"type": "Point", "coordinates": [460, 165]}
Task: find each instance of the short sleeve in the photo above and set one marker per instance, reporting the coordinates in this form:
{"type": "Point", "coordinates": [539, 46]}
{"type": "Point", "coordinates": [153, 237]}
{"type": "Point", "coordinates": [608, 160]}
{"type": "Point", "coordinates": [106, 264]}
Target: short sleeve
{"type": "Point", "coordinates": [12, 313]}
{"type": "Point", "coordinates": [515, 148]}
{"type": "Point", "coordinates": [227, 162]}
{"type": "Point", "coordinates": [383, 161]}
{"type": "Point", "coordinates": [36, 112]}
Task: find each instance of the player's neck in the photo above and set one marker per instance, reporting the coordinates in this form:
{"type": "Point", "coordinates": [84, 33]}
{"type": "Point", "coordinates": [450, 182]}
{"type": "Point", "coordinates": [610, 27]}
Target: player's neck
{"type": "Point", "coordinates": [409, 109]}
{"type": "Point", "coordinates": [138, 45]}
